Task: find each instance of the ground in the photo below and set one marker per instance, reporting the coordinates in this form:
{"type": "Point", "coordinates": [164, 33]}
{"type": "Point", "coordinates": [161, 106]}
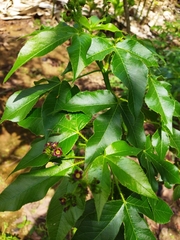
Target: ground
{"type": "Point", "coordinates": [29, 222]}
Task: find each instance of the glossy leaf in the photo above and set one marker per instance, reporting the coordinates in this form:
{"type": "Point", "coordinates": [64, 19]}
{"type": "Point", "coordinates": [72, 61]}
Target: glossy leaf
{"type": "Point", "coordinates": [20, 103]}
{"type": "Point", "coordinates": [90, 102]}
{"type": "Point", "coordinates": [135, 226]}
{"type": "Point", "coordinates": [57, 217]}
{"type": "Point", "coordinates": [108, 226]}
{"type": "Point", "coordinates": [121, 148]}
{"type": "Point", "coordinates": [67, 127]}
{"type": "Point", "coordinates": [135, 127]}
{"type": "Point", "coordinates": [34, 157]}
{"type": "Point", "coordinates": [32, 186]}
{"type": "Point", "coordinates": [106, 27]}
{"type": "Point", "coordinates": [41, 44]}
{"type": "Point", "coordinates": [134, 47]}
{"type": "Point", "coordinates": [176, 193]}
{"type": "Point", "coordinates": [77, 52]}
{"type": "Point", "coordinates": [107, 129]}
{"type": "Point", "coordinates": [133, 73]}
{"type": "Point", "coordinates": [130, 175]}
{"type": "Point", "coordinates": [33, 122]}
{"type": "Point", "coordinates": [99, 171]}
{"type": "Point", "coordinates": [161, 143]}
{"type": "Point", "coordinates": [155, 209]}
{"type": "Point", "coordinates": [175, 140]}
{"type": "Point", "coordinates": [99, 48]}
{"type": "Point", "coordinates": [158, 99]}
{"type": "Point", "coordinates": [169, 172]}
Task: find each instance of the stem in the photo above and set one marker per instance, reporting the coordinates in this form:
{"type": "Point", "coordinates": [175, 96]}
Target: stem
{"type": "Point", "coordinates": [83, 137]}
{"type": "Point", "coordinates": [97, 70]}
{"type": "Point", "coordinates": [117, 185]}
{"type": "Point", "coordinates": [105, 74]}
{"type": "Point", "coordinates": [126, 12]}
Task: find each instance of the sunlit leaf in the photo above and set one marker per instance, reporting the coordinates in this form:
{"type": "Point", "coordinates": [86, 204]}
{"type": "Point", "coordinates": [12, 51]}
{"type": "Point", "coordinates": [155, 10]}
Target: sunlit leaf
{"type": "Point", "coordinates": [77, 53]}
{"type": "Point", "coordinates": [155, 209]}
{"type": "Point", "coordinates": [32, 186]}
{"type": "Point", "coordinates": [107, 129]}
{"type": "Point", "coordinates": [121, 148]}
{"type": "Point", "coordinates": [135, 226]}
{"type": "Point", "coordinates": [158, 99]}
{"type": "Point", "coordinates": [130, 175]}
{"type": "Point", "coordinates": [42, 43]}
{"type": "Point", "coordinates": [133, 73]}
{"type": "Point", "coordinates": [90, 102]}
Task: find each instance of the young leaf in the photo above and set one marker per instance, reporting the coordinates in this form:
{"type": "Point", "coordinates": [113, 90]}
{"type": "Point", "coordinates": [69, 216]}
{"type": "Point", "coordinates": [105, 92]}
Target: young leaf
{"type": "Point", "coordinates": [155, 209]}
{"type": "Point", "coordinates": [107, 129]}
{"type": "Point", "coordinates": [176, 193]}
{"type": "Point", "coordinates": [135, 226]}
{"type": "Point", "coordinates": [32, 186]}
{"type": "Point", "coordinates": [90, 102]}
{"type": "Point", "coordinates": [108, 226]}
{"type": "Point", "coordinates": [42, 43]}
{"type": "Point", "coordinates": [133, 73]}
{"type": "Point", "coordinates": [158, 99]}
{"type": "Point", "coordinates": [130, 175]}
{"type": "Point", "coordinates": [57, 217]}
{"type": "Point", "coordinates": [99, 171]}
{"type": "Point", "coordinates": [99, 48]}
{"type": "Point", "coordinates": [77, 52]}
{"type": "Point", "coordinates": [121, 148]}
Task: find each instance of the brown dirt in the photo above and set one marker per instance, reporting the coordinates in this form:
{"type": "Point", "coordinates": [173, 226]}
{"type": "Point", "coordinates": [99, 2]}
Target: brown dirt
{"type": "Point", "coordinates": [28, 222]}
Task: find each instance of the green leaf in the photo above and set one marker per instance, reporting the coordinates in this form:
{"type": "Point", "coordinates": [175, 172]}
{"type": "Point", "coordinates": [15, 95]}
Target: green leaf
{"type": "Point", "coordinates": [135, 226]}
{"type": "Point", "coordinates": [90, 102]}
{"type": "Point", "coordinates": [150, 171]}
{"type": "Point", "coordinates": [33, 122]}
{"type": "Point", "coordinates": [135, 135]}
{"type": "Point", "coordinates": [32, 186]}
{"type": "Point", "coordinates": [130, 175]}
{"type": "Point", "coordinates": [155, 209]}
{"type": "Point", "coordinates": [21, 102]}
{"type": "Point", "coordinates": [107, 129]}
{"type": "Point", "coordinates": [106, 27]}
{"type": "Point", "coordinates": [175, 140]}
{"type": "Point", "coordinates": [133, 73]}
{"type": "Point", "coordinates": [158, 99]}
{"type": "Point", "coordinates": [108, 226]}
{"type": "Point", "coordinates": [34, 157]}
{"type": "Point", "coordinates": [176, 193]}
{"type": "Point", "coordinates": [67, 127]}
{"type": "Point", "coordinates": [77, 52]}
{"type": "Point", "coordinates": [55, 99]}
{"type": "Point", "coordinates": [169, 172]}
{"type": "Point", "coordinates": [41, 44]}
{"type": "Point", "coordinates": [121, 148]}
{"type": "Point", "coordinates": [160, 143]}
{"type": "Point", "coordinates": [59, 222]}
{"type": "Point", "coordinates": [137, 49]}
{"type": "Point", "coordinates": [100, 47]}
{"type": "Point", "coordinates": [99, 171]}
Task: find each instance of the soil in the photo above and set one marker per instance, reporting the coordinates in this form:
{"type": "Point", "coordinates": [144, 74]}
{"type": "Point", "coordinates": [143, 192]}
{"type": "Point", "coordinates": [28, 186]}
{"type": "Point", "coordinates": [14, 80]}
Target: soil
{"type": "Point", "coordinates": [29, 221]}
